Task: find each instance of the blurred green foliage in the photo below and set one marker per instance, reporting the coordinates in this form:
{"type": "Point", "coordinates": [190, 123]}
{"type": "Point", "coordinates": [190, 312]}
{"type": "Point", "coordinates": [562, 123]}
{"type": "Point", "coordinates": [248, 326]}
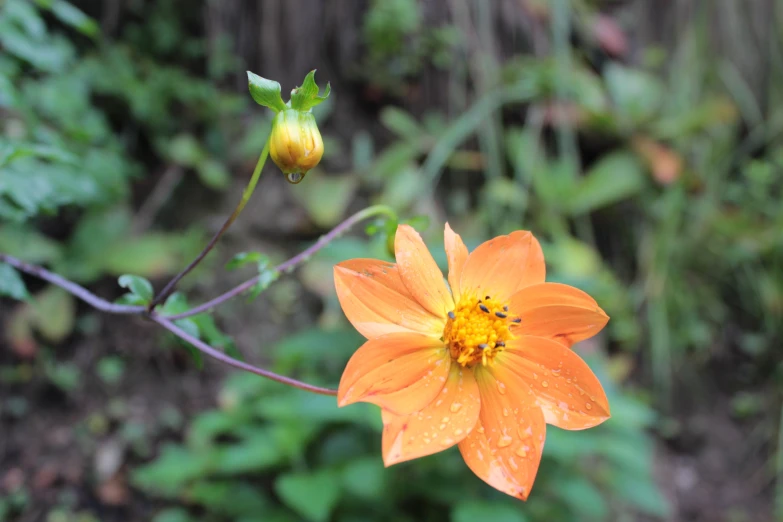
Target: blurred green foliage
{"type": "Point", "coordinates": [655, 189]}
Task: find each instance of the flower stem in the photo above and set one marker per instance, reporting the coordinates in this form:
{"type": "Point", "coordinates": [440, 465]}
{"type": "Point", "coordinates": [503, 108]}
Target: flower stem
{"type": "Point", "coordinates": [105, 306]}
{"type": "Point", "coordinates": [375, 210]}
{"type": "Point", "coordinates": [220, 356]}
{"type": "Point", "coordinates": [251, 186]}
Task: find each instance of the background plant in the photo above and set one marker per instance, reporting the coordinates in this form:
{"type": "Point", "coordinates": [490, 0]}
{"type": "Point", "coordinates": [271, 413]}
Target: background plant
{"type": "Point", "coordinates": [650, 173]}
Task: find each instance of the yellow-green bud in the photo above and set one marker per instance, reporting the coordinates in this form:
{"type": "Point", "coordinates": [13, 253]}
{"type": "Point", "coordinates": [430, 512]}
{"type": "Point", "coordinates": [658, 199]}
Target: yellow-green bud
{"type": "Point", "coordinates": [295, 145]}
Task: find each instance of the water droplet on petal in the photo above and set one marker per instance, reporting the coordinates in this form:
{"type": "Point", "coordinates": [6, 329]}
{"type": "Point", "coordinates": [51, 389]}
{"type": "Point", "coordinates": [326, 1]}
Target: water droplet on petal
{"type": "Point", "coordinates": [457, 433]}
{"type": "Point", "coordinates": [455, 407]}
{"type": "Point", "coordinates": [427, 441]}
{"type": "Point", "coordinates": [501, 388]}
{"type": "Point", "coordinates": [447, 442]}
{"type": "Point", "coordinates": [505, 412]}
{"type": "Point", "coordinates": [294, 177]}
{"type": "Point", "coordinates": [442, 426]}
{"type": "Point", "coordinates": [544, 384]}
{"type": "Point", "coordinates": [504, 441]}
{"type": "Point", "coordinates": [522, 452]}
{"type": "Point", "coordinates": [589, 406]}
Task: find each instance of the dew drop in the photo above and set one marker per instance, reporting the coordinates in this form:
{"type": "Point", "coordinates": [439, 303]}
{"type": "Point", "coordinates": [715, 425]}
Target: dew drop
{"type": "Point", "coordinates": [447, 442]}
{"type": "Point", "coordinates": [505, 412]}
{"type": "Point", "coordinates": [294, 177]}
{"type": "Point", "coordinates": [442, 426]}
{"type": "Point", "coordinates": [501, 388]}
{"type": "Point", "coordinates": [589, 406]}
{"type": "Point", "coordinates": [445, 419]}
{"type": "Point", "coordinates": [439, 402]}
{"type": "Point", "coordinates": [480, 429]}
{"type": "Point", "coordinates": [522, 452]}
{"type": "Point", "coordinates": [455, 407]}
{"type": "Point", "coordinates": [427, 441]}
{"type": "Point", "coordinates": [504, 441]}
{"type": "Point", "coordinates": [544, 384]}
{"type": "Point", "coordinates": [457, 433]}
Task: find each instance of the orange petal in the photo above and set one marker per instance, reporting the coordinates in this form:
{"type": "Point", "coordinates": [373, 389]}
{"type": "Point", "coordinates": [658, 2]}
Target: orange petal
{"type": "Point", "coordinates": [557, 311]}
{"type": "Point", "coordinates": [420, 273]}
{"type": "Point", "coordinates": [443, 423]}
{"type": "Point", "coordinates": [504, 265]}
{"type": "Point", "coordinates": [566, 388]}
{"type": "Point", "coordinates": [376, 301]}
{"type": "Point", "coordinates": [504, 450]}
{"type": "Point", "coordinates": [457, 254]}
{"type": "Point", "coordinates": [402, 372]}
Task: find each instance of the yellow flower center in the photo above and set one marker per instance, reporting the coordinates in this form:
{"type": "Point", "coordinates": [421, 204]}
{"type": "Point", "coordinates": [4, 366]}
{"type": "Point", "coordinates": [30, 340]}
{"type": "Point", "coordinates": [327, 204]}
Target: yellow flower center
{"type": "Point", "coordinates": [477, 330]}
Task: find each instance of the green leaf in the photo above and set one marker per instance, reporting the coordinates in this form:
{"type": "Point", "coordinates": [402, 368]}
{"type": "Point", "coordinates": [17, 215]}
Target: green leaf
{"type": "Point", "coordinates": [55, 313]}
{"type": "Point", "coordinates": [28, 245]}
{"type": "Point", "coordinates": [311, 495]}
{"type": "Point", "coordinates": [475, 510]}
{"type": "Point", "coordinates": [173, 515]}
{"type": "Point", "coordinates": [265, 92]}
{"type": "Point", "coordinates": [174, 468]}
{"type": "Point", "coordinates": [365, 477]}
{"type": "Point", "coordinates": [11, 284]}
{"type": "Point", "coordinates": [614, 177]}
{"type": "Point", "coordinates": [636, 94]}
{"type": "Point", "coordinates": [138, 286]}
{"type": "Point", "coordinates": [230, 498]}
{"type": "Point", "coordinates": [243, 258]}
{"type": "Point", "coordinates": [402, 124]}
{"type": "Point", "coordinates": [306, 97]}
{"type": "Point", "coordinates": [70, 15]}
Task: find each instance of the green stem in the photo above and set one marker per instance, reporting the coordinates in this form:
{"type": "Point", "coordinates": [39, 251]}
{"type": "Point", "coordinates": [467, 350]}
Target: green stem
{"type": "Point", "coordinates": [251, 186]}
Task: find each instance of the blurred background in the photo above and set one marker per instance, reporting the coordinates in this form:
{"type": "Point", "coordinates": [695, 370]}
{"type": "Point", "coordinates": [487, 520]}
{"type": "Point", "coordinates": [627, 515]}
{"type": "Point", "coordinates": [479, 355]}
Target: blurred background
{"type": "Point", "coordinates": [640, 141]}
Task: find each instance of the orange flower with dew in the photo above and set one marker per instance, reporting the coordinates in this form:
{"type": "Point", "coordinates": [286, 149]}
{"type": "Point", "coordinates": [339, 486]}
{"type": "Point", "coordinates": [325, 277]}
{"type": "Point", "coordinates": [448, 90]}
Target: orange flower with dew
{"type": "Point", "coordinates": [483, 363]}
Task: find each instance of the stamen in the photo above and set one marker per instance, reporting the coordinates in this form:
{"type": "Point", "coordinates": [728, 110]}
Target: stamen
{"type": "Point", "coordinates": [483, 346]}
{"type": "Point", "coordinates": [501, 315]}
{"type": "Point", "coordinates": [499, 343]}
{"type": "Point", "coordinates": [484, 308]}
{"type": "Point", "coordinates": [452, 315]}
{"type": "Point", "coordinates": [517, 320]}
{"type": "Point", "coordinates": [486, 297]}
{"type": "Point", "coordinates": [505, 308]}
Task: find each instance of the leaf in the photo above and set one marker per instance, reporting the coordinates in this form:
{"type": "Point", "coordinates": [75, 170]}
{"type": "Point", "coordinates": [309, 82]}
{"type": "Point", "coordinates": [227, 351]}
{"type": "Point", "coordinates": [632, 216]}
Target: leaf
{"type": "Point", "coordinates": [306, 97]}
{"type": "Point", "coordinates": [401, 123]}
{"type": "Point", "coordinates": [174, 467]}
{"type": "Point", "coordinates": [55, 313]}
{"type": "Point", "coordinates": [213, 174]}
{"type": "Point", "coordinates": [172, 515]}
{"type": "Point", "coordinates": [636, 94]}
{"type": "Point", "coordinates": [11, 284]}
{"type": "Point", "coordinates": [265, 92]}
{"type": "Point", "coordinates": [243, 258]}
{"type": "Point", "coordinates": [138, 286]}
{"type": "Point", "coordinates": [475, 510]}
{"type": "Point", "coordinates": [365, 477]}
{"type": "Point", "coordinates": [70, 15]}
{"type": "Point", "coordinates": [311, 495]}
{"type": "Point", "coordinates": [230, 498]}
{"type": "Point", "coordinates": [28, 245]}
{"type": "Point", "coordinates": [614, 177]}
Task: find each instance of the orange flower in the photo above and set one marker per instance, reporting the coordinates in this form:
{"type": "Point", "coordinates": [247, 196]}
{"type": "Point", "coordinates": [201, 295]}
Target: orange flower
{"type": "Point", "coordinates": [484, 365]}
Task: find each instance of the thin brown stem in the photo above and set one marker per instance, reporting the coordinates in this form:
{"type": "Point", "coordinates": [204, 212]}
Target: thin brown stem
{"type": "Point", "coordinates": [105, 306]}
{"type": "Point", "coordinates": [220, 356]}
{"type": "Point", "coordinates": [291, 263]}
{"type": "Point", "coordinates": [251, 186]}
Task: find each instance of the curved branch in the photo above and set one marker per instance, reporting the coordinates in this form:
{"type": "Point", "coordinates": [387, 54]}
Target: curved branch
{"type": "Point", "coordinates": [220, 356]}
{"type": "Point", "coordinates": [293, 262]}
{"type": "Point", "coordinates": [77, 290]}
{"type": "Point", "coordinates": [105, 306]}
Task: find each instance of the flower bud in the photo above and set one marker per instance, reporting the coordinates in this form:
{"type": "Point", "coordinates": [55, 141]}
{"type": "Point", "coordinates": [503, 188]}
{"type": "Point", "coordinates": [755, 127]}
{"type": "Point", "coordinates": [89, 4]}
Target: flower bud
{"type": "Point", "coordinates": [295, 145]}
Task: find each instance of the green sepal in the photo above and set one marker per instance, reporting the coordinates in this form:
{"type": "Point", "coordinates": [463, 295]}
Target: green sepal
{"type": "Point", "coordinates": [265, 92]}
{"type": "Point", "coordinates": [306, 97]}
